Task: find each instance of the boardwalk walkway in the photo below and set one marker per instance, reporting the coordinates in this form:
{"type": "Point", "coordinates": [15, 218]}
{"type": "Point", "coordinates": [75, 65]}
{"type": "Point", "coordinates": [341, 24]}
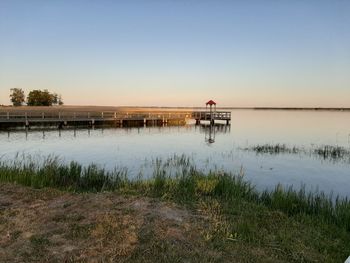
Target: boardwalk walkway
{"type": "Point", "coordinates": [121, 118]}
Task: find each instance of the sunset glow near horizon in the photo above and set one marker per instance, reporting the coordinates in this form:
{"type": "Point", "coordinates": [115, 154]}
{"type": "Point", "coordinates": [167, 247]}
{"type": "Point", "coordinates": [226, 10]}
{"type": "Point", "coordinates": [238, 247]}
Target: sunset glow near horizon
{"type": "Point", "coordinates": [178, 53]}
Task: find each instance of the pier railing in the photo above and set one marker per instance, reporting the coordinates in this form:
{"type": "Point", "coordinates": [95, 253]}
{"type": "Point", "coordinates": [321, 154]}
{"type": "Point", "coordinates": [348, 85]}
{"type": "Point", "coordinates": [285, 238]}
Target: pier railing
{"type": "Point", "coordinates": [217, 115]}
{"type": "Point", "coordinates": [105, 115]}
{"type": "Point", "coordinates": [28, 118]}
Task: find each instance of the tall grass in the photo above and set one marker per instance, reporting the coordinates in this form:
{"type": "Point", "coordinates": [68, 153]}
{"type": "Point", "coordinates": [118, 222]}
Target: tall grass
{"type": "Point", "coordinates": [300, 202]}
{"type": "Point", "coordinates": [188, 185]}
{"type": "Point", "coordinates": [53, 173]}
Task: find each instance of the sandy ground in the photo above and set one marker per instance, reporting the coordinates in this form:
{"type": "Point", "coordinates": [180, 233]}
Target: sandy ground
{"type": "Point", "coordinates": [52, 226]}
{"type": "Point", "coordinates": [48, 225]}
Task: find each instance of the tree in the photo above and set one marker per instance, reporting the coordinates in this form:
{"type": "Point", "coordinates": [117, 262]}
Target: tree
{"type": "Point", "coordinates": [40, 98]}
{"type": "Point", "coordinates": [57, 99]}
{"type": "Point", "coordinates": [17, 97]}
{"type": "Point", "coordinates": [54, 98]}
{"type": "Point", "coordinates": [60, 101]}
{"type": "Point", "coordinates": [43, 98]}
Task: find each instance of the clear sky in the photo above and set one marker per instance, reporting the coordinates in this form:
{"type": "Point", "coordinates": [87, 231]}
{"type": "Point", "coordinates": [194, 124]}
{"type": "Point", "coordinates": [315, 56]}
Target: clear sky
{"type": "Point", "coordinates": [178, 52]}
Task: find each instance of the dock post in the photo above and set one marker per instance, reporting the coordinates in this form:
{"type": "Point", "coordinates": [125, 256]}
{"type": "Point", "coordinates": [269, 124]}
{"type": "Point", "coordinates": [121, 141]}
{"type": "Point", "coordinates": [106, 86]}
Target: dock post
{"type": "Point", "coordinates": [26, 120]}
{"type": "Point", "coordinates": [144, 122]}
{"type": "Point", "coordinates": [102, 114]}
{"type": "Point", "coordinates": [43, 115]}
{"type": "Point", "coordinates": [115, 115]}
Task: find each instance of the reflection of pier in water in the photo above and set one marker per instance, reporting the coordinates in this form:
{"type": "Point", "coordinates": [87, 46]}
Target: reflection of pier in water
{"type": "Point", "coordinates": [76, 131]}
{"type": "Point", "coordinates": [210, 131]}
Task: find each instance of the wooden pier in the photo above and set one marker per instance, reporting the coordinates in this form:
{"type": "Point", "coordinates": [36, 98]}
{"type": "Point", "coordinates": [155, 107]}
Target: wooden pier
{"type": "Point", "coordinates": [10, 119]}
{"type": "Point", "coordinates": [212, 116]}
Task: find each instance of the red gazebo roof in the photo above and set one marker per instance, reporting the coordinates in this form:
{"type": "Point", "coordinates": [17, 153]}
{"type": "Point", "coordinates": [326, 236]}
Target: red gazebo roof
{"type": "Point", "coordinates": [211, 102]}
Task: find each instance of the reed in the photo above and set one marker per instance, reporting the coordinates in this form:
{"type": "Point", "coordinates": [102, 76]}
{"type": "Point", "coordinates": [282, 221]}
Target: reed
{"type": "Point", "coordinates": [325, 152]}
{"type": "Point", "coordinates": [51, 172]}
{"type": "Point", "coordinates": [332, 152]}
{"type": "Point", "coordinates": [273, 149]}
{"type": "Point", "coordinates": [188, 185]}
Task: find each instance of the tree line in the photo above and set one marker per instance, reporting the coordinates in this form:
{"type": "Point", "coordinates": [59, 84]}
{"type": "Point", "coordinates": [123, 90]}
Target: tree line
{"type": "Point", "coordinates": [35, 98]}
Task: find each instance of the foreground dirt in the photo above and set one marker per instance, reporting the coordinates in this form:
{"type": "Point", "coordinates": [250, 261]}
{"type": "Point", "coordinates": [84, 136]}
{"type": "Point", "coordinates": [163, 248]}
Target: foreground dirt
{"type": "Point", "coordinates": [53, 226]}
{"type": "Point", "coordinates": [48, 225]}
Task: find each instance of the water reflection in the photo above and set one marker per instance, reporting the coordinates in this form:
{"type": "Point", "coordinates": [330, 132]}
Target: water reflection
{"type": "Point", "coordinates": [210, 134]}
{"type": "Point", "coordinates": [131, 147]}
{"type": "Point", "coordinates": [211, 130]}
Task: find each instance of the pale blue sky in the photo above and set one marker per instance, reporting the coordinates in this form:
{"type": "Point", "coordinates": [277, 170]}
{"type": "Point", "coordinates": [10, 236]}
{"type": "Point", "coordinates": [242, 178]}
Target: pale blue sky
{"type": "Point", "coordinates": [178, 53]}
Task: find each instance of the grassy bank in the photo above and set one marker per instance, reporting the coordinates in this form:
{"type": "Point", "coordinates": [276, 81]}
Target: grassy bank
{"type": "Point", "coordinates": [285, 224]}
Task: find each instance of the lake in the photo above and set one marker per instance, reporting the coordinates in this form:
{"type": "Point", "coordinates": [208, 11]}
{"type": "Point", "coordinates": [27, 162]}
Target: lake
{"type": "Point", "coordinates": [228, 148]}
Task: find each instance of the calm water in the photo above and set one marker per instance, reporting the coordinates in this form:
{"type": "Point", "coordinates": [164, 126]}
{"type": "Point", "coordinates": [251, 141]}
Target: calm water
{"type": "Point", "coordinates": [133, 148]}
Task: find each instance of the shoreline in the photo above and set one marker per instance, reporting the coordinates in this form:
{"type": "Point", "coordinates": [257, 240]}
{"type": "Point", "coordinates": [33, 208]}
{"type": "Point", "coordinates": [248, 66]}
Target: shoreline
{"type": "Point", "coordinates": [159, 108]}
{"type": "Point", "coordinates": [51, 211]}
{"type": "Point", "coordinates": [47, 224]}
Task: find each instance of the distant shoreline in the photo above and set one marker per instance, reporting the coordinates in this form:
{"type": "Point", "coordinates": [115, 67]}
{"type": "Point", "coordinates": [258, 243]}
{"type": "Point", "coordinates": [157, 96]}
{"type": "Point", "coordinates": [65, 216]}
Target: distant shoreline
{"type": "Point", "coordinates": [155, 108]}
{"type": "Point", "coordinates": [294, 108]}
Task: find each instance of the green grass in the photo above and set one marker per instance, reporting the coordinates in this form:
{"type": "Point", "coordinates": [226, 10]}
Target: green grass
{"type": "Point", "coordinates": [188, 185]}
{"type": "Point", "coordinates": [52, 173]}
{"type": "Point", "coordinates": [39, 241]}
{"type": "Point", "coordinates": [240, 213]}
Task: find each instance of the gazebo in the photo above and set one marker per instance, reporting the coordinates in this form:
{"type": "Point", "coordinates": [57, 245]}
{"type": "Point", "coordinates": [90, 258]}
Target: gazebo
{"type": "Point", "coordinates": [211, 114]}
{"type": "Point", "coordinates": [211, 103]}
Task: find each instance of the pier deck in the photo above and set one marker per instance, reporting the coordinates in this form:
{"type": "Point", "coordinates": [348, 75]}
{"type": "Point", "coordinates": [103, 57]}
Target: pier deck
{"type": "Point", "coordinates": [60, 119]}
{"type": "Point", "coordinates": [212, 116]}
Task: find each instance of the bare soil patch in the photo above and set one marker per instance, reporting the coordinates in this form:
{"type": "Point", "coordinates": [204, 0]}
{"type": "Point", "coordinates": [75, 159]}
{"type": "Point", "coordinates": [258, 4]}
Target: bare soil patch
{"type": "Point", "coordinates": [52, 226]}
{"type": "Point", "coordinates": [49, 225]}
